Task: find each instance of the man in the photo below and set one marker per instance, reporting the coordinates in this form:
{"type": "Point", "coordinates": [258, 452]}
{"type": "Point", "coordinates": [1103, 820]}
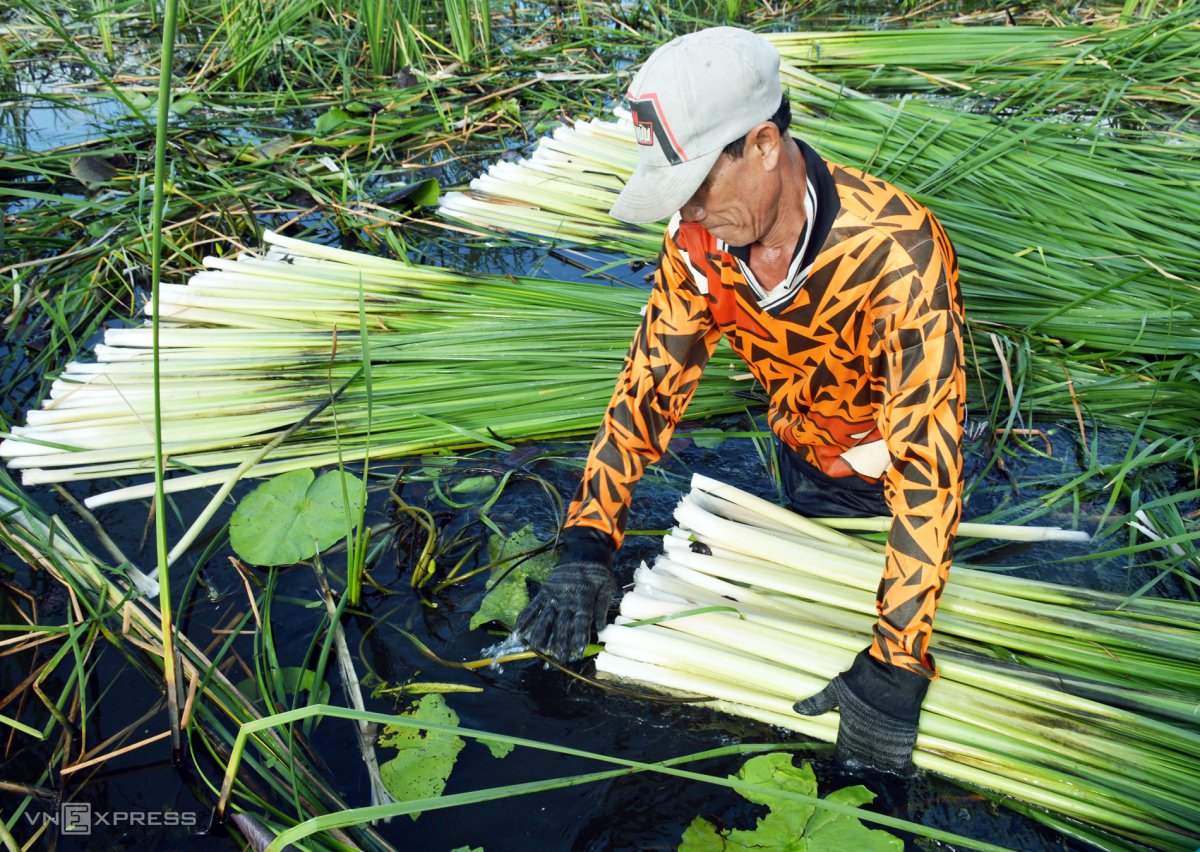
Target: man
{"type": "Point", "coordinates": [841, 293]}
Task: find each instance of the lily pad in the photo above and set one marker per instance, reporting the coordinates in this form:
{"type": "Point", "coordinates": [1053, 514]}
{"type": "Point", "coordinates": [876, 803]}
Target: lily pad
{"type": "Point", "coordinates": [291, 517]}
{"type": "Point", "coordinates": [709, 441]}
{"type": "Point", "coordinates": [184, 104]}
{"type": "Point", "coordinates": [424, 193]}
{"type": "Point", "coordinates": [507, 592]}
{"type": "Point", "coordinates": [499, 750]}
{"type": "Point", "coordinates": [425, 758]}
{"type": "Point", "coordinates": [792, 825]}
{"type": "Point", "coordinates": [91, 170]}
{"type": "Point", "coordinates": [485, 484]}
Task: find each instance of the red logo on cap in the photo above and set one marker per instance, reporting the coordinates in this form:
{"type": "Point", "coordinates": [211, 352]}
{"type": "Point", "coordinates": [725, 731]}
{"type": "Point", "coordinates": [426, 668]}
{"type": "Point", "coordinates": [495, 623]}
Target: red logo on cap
{"type": "Point", "coordinates": [643, 131]}
{"type": "Point", "coordinates": [651, 128]}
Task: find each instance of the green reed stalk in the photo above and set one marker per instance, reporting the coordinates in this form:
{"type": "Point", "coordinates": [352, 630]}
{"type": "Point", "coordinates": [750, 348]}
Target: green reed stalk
{"type": "Point", "coordinates": [170, 657]}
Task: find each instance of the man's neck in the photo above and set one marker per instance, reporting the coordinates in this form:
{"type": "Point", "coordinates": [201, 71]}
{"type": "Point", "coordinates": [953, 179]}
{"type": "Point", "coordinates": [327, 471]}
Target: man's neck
{"type": "Point", "coordinates": [771, 256]}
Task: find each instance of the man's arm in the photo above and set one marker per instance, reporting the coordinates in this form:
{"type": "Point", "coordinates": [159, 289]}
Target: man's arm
{"type": "Point", "coordinates": [918, 370]}
{"type": "Point", "coordinates": [664, 364]}
{"type": "Point", "coordinates": [924, 393]}
{"type": "Point", "coordinates": [661, 371]}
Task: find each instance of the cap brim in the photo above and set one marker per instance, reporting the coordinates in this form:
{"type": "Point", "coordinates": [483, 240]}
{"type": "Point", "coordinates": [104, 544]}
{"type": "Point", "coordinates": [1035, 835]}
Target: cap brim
{"type": "Point", "coordinates": [655, 193]}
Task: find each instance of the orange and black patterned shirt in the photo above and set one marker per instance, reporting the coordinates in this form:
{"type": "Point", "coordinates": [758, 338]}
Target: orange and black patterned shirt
{"type": "Point", "coordinates": [859, 351]}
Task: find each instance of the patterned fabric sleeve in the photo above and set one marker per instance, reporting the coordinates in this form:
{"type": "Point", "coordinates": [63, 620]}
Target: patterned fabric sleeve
{"type": "Point", "coordinates": [668, 354]}
{"type": "Point", "coordinates": [919, 334]}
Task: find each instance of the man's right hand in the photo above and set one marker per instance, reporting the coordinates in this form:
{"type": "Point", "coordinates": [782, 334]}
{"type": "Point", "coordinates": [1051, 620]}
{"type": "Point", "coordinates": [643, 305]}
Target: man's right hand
{"type": "Point", "coordinates": [573, 600]}
{"type": "Point", "coordinates": [879, 706]}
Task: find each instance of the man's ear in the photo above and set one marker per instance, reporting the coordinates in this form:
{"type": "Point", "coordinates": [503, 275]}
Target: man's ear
{"type": "Point", "coordinates": [764, 141]}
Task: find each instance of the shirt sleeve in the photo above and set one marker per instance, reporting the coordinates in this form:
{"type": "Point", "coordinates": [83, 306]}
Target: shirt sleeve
{"type": "Point", "coordinates": [666, 359]}
{"type": "Point", "coordinates": [920, 364]}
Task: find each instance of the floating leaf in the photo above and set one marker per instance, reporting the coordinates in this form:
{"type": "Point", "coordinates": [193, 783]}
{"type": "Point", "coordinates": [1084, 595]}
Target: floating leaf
{"type": "Point", "coordinates": [140, 101]}
{"type": "Point", "coordinates": [702, 836]}
{"type": "Point", "coordinates": [426, 193]}
{"type": "Point", "coordinates": [780, 772]}
{"type": "Point", "coordinates": [792, 825]}
{"type": "Point", "coordinates": [273, 149]}
{"type": "Point", "coordinates": [291, 517]}
{"type": "Point", "coordinates": [474, 485]}
{"type": "Point", "coordinates": [91, 170]}
{"type": "Point", "coordinates": [184, 104]}
{"type": "Point", "coordinates": [423, 193]}
{"type": "Point", "coordinates": [291, 680]}
{"type": "Point", "coordinates": [425, 758]}
{"type": "Point", "coordinates": [709, 441]}
{"type": "Point", "coordinates": [833, 831]}
{"type": "Point", "coordinates": [507, 593]}
{"type": "Point", "coordinates": [499, 750]}
{"type": "Point", "coordinates": [332, 121]}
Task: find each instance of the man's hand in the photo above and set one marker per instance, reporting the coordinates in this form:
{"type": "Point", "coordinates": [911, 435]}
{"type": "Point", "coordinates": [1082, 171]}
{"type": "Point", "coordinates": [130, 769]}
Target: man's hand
{"type": "Point", "coordinates": [879, 706]}
{"type": "Point", "coordinates": [573, 600]}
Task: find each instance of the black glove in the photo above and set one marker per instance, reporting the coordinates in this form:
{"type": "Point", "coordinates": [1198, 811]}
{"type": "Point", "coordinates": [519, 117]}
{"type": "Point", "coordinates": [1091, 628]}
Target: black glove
{"type": "Point", "coordinates": [574, 599]}
{"type": "Point", "coordinates": [879, 706]}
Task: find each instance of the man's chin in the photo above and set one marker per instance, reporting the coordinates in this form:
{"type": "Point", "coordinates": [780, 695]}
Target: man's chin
{"type": "Point", "coordinates": [729, 237]}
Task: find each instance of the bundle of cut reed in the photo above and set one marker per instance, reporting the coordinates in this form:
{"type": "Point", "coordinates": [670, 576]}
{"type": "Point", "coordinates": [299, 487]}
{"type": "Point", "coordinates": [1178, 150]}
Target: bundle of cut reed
{"type": "Point", "coordinates": [1078, 704]}
{"type": "Point", "coordinates": [1060, 227]}
{"type": "Point", "coordinates": [1123, 71]}
{"type": "Point", "coordinates": [413, 359]}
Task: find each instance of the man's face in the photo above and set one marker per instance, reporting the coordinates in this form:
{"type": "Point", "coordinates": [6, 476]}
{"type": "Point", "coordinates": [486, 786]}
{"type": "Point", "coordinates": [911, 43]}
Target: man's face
{"type": "Point", "coordinates": [737, 199]}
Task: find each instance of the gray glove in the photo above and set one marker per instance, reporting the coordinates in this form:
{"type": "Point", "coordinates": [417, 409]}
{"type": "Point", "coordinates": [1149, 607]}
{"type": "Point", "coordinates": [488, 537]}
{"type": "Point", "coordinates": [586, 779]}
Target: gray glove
{"type": "Point", "coordinates": [574, 599]}
{"type": "Point", "coordinates": [879, 705]}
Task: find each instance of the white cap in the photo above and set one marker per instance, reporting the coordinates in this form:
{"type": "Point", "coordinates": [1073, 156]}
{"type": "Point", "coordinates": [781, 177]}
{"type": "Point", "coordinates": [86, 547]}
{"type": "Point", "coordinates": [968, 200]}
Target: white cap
{"type": "Point", "coordinates": [695, 95]}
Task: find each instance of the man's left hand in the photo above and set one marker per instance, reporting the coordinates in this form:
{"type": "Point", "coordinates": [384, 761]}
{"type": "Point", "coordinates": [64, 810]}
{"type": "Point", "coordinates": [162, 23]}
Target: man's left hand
{"type": "Point", "coordinates": [879, 705]}
{"type": "Point", "coordinates": [574, 599]}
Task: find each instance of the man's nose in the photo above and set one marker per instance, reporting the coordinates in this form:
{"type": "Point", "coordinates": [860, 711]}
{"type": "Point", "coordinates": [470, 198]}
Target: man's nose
{"type": "Point", "coordinates": [693, 210]}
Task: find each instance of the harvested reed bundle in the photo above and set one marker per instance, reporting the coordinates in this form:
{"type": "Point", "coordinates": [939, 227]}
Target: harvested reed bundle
{"type": "Point", "coordinates": [1048, 695]}
{"type": "Point", "coordinates": [1127, 71]}
{"type": "Point", "coordinates": [256, 345]}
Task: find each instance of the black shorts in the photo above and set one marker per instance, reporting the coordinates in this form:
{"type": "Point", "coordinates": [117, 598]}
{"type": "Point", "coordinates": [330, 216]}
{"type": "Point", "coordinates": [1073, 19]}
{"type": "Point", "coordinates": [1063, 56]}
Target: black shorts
{"type": "Point", "coordinates": [815, 494]}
